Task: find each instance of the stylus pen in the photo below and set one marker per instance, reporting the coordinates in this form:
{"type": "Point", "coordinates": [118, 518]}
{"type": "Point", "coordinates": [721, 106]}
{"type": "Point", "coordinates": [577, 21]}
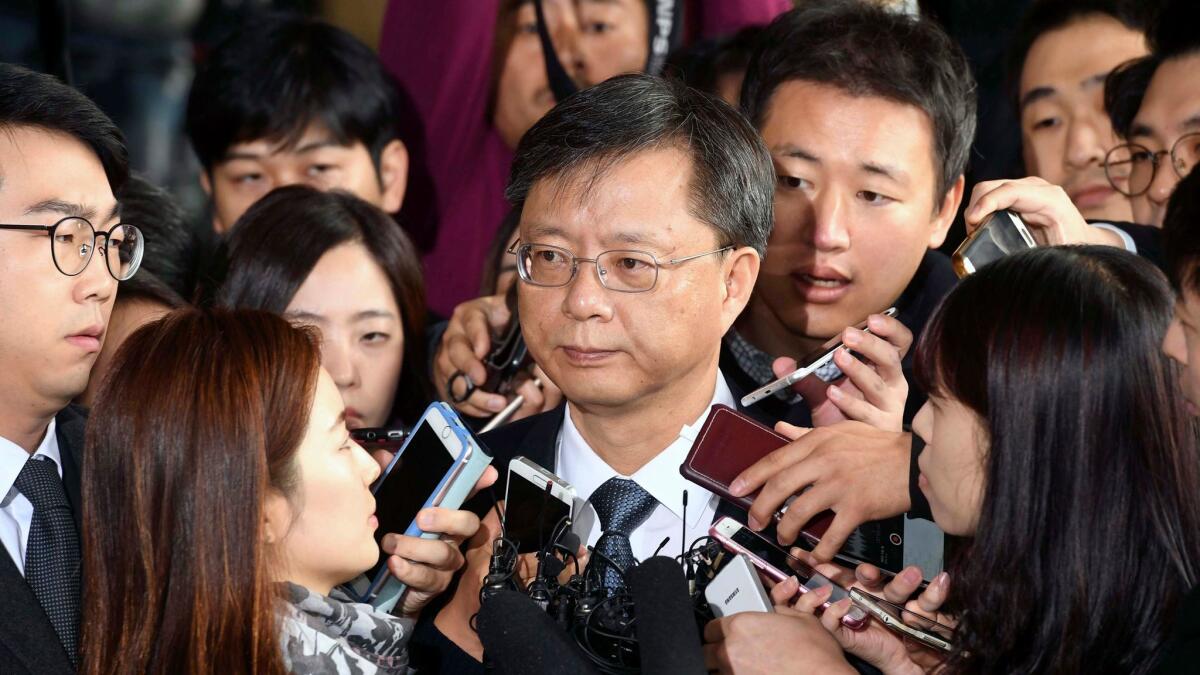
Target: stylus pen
{"type": "Point", "coordinates": [502, 416]}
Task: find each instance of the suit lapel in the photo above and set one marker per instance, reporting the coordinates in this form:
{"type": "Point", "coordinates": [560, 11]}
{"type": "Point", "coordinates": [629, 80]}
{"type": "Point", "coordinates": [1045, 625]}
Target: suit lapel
{"type": "Point", "coordinates": [541, 444]}
{"type": "Point", "coordinates": [71, 423]}
{"type": "Point", "coordinates": [24, 628]}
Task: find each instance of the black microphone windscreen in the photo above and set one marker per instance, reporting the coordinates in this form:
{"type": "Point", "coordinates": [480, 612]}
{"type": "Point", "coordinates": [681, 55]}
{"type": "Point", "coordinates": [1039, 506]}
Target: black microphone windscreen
{"type": "Point", "coordinates": [571, 542]}
{"type": "Point", "coordinates": [522, 639]}
{"type": "Point", "coordinates": [668, 637]}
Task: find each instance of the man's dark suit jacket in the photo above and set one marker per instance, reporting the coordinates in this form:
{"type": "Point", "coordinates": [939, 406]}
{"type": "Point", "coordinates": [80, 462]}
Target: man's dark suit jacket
{"type": "Point", "coordinates": [28, 643]}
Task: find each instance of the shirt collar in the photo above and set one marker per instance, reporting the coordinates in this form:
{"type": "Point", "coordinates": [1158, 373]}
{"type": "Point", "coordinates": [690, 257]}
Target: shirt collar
{"type": "Point", "coordinates": [586, 471]}
{"type": "Point", "coordinates": [13, 458]}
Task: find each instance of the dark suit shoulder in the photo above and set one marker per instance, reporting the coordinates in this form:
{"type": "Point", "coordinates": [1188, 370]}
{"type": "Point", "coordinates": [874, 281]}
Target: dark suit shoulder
{"type": "Point", "coordinates": [534, 437]}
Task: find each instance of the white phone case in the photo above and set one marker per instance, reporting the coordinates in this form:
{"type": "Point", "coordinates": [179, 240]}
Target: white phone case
{"type": "Point", "coordinates": [736, 589]}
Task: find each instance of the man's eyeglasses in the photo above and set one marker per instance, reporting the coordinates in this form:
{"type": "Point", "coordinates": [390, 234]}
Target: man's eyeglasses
{"type": "Point", "coordinates": [1130, 168]}
{"type": "Point", "coordinates": [625, 271]}
{"type": "Point", "coordinates": [73, 240]}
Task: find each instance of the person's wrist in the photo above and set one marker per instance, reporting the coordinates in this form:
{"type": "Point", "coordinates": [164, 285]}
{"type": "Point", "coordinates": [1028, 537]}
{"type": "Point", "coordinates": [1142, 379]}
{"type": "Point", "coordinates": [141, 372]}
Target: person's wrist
{"type": "Point", "coordinates": [1103, 237]}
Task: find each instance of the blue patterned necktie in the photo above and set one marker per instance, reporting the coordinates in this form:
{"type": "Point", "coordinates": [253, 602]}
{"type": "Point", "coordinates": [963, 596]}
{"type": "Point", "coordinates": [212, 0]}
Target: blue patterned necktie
{"type": "Point", "coordinates": [622, 506]}
{"type": "Point", "coordinates": [52, 558]}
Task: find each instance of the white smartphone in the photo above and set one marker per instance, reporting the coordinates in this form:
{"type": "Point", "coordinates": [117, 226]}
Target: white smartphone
{"type": "Point", "coordinates": [737, 589]}
{"type": "Point", "coordinates": [814, 363]}
{"type": "Point", "coordinates": [535, 502]}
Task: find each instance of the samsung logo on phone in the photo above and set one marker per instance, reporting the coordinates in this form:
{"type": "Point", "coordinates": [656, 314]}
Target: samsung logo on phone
{"type": "Point", "coordinates": [732, 595]}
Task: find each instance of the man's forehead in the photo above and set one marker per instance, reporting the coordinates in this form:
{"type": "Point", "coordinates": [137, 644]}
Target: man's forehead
{"type": "Point", "coordinates": [1172, 101]}
{"type": "Point", "coordinates": [311, 137]}
{"type": "Point", "coordinates": [44, 173]}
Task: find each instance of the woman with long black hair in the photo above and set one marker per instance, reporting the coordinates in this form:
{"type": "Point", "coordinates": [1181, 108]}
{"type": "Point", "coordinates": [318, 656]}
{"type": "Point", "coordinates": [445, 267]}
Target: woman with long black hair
{"type": "Point", "coordinates": [1058, 447]}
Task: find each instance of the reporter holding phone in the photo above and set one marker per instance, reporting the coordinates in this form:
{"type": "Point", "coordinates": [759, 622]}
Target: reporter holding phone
{"type": "Point", "coordinates": [1057, 443]}
{"type": "Point", "coordinates": [242, 503]}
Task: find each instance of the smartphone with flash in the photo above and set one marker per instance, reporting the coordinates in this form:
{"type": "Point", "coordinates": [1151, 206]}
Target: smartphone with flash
{"type": "Point", "coordinates": [818, 363]}
{"type": "Point", "coordinates": [535, 503]}
{"type": "Point", "coordinates": [904, 623]}
{"type": "Point", "coordinates": [777, 565]}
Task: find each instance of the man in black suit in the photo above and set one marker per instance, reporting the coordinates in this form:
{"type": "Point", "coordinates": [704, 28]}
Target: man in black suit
{"type": "Point", "coordinates": [645, 210]}
{"type": "Point", "coordinates": [61, 162]}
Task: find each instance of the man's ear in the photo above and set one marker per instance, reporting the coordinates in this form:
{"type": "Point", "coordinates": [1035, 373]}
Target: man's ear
{"type": "Point", "coordinates": [945, 215]}
{"type": "Point", "coordinates": [207, 185]}
{"type": "Point", "coordinates": [393, 175]}
{"type": "Point", "coordinates": [741, 272]}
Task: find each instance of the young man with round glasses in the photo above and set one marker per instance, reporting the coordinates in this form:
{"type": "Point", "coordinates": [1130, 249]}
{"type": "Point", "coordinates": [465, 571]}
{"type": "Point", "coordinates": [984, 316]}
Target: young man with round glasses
{"type": "Point", "coordinates": [1161, 130]}
{"type": "Point", "coordinates": [62, 252]}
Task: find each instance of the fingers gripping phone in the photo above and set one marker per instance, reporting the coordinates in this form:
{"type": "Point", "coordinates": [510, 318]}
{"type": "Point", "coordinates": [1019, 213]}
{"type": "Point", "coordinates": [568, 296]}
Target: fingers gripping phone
{"type": "Point", "coordinates": [438, 465]}
{"type": "Point", "coordinates": [904, 623]}
{"type": "Point", "coordinates": [818, 363]}
{"type": "Point", "coordinates": [535, 502]}
{"type": "Point", "coordinates": [729, 442]}
{"type": "Point", "coordinates": [777, 565]}
{"type": "Point", "coordinates": [1002, 234]}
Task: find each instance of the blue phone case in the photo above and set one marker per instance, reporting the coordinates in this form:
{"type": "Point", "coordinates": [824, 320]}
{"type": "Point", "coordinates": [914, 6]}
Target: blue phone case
{"type": "Point", "coordinates": [385, 590]}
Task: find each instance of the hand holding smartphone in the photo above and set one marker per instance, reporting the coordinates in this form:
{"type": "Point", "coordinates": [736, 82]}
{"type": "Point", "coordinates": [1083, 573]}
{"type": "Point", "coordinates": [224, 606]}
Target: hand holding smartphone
{"type": "Point", "coordinates": [904, 623]}
{"type": "Point", "coordinates": [778, 565]}
{"type": "Point", "coordinates": [814, 364]}
{"type": "Point", "coordinates": [729, 442]}
{"type": "Point", "coordinates": [437, 465]}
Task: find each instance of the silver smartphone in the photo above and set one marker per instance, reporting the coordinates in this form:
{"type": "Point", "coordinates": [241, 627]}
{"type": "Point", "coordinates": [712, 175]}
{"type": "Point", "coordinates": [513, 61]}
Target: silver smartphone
{"type": "Point", "coordinates": [903, 622]}
{"type": "Point", "coordinates": [814, 363]}
{"type": "Point", "coordinates": [1002, 234]}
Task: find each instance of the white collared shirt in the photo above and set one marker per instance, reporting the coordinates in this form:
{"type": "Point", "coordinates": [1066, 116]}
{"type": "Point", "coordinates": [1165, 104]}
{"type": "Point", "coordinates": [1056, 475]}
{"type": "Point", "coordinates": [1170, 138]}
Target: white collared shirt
{"type": "Point", "coordinates": [16, 512]}
{"type": "Point", "coordinates": [580, 466]}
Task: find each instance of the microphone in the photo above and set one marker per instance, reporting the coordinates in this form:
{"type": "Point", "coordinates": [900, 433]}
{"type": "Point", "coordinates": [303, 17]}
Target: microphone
{"type": "Point", "coordinates": [522, 639]}
{"type": "Point", "coordinates": [667, 634]}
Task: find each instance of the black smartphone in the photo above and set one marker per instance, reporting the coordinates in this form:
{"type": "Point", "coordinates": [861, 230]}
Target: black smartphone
{"type": "Point", "coordinates": [534, 505]}
{"type": "Point", "coordinates": [415, 479]}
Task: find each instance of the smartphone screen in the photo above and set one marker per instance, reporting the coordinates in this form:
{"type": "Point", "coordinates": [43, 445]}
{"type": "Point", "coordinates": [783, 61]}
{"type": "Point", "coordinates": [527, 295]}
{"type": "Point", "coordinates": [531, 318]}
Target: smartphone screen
{"type": "Point", "coordinates": [773, 555]}
{"type": "Point", "coordinates": [412, 479]}
{"type": "Point", "coordinates": [530, 513]}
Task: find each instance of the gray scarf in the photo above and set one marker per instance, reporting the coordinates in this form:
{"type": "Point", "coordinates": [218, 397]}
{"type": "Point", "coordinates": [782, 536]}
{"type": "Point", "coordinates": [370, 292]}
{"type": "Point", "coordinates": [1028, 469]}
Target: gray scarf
{"type": "Point", "coordinates": [330, 635]}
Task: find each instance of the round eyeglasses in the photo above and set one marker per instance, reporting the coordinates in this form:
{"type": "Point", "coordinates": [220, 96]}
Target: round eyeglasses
{"type": "Point", "coordinates": [1131, 168]}
{"type": "Point", "coordinates": [73, 240]}
{"type": "Point", "coordinates": [625, 271]}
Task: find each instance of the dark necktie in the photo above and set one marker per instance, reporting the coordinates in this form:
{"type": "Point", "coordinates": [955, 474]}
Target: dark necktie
{"type": "Point", "coordinates": [52, 555]}
{"type": "Point", "coordinates": [622, 506]}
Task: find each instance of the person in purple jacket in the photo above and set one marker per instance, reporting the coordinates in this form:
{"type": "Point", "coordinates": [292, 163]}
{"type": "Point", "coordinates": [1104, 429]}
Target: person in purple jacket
{"type": "Point", "coordinates": [476, 72]}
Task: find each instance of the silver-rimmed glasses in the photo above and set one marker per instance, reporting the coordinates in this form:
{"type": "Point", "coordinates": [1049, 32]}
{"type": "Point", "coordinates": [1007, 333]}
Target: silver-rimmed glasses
{"type": "Point", "coordinates": [625, 271]}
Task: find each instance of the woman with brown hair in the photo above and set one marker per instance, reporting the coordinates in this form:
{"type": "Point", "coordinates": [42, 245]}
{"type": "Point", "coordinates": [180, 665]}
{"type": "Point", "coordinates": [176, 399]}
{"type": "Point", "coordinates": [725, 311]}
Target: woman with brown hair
{"type": "Point", "coordinates": [234, 502]}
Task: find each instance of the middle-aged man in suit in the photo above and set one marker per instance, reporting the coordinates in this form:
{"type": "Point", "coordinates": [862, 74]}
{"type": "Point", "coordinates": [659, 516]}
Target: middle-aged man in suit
{"type": "Point", "coordinates": [645, 211]}
{"type": "Point", "coordinates": [61, 162]}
